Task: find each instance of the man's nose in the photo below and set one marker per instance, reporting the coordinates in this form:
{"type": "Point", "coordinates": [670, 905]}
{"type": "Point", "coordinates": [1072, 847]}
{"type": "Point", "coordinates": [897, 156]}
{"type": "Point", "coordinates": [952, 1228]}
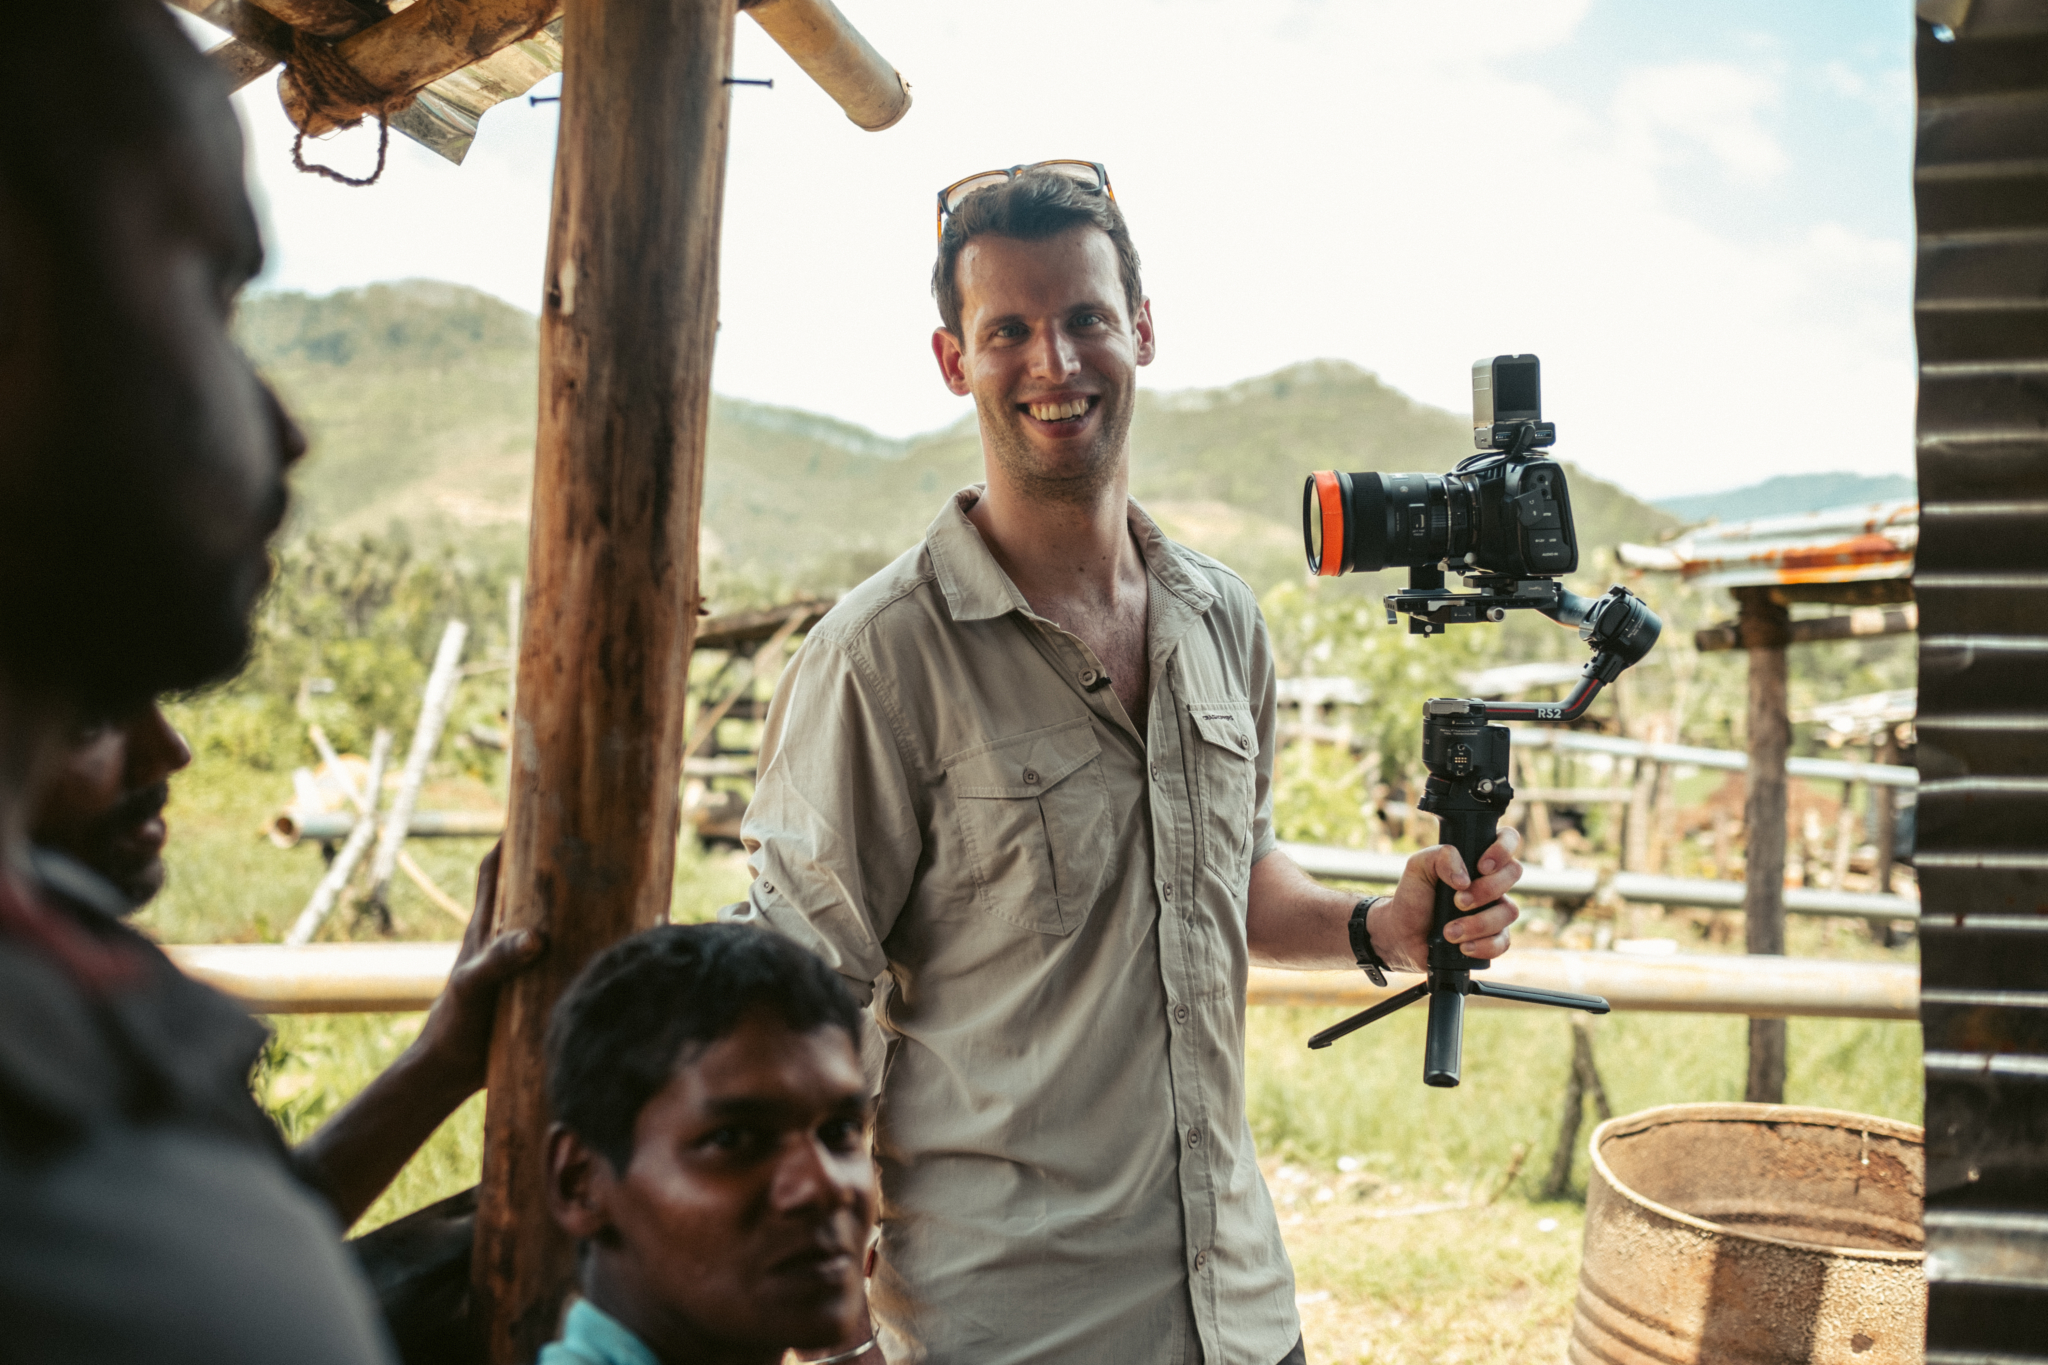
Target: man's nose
{"type": "Point", "coordinates": [155, 748]}
{"type": "Point", "coordinates": [1052, 354]}
{"type": "Point", "coordinates": [291, 440]}
{"type": "Point", "coordinates": [812, 1176]}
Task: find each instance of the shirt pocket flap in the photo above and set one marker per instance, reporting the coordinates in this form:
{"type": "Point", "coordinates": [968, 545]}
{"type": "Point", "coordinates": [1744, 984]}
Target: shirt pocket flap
{"type": "Point", "coordinates": [1227, 725]}
{"type": "Point", "coordinates": [1024, 765]}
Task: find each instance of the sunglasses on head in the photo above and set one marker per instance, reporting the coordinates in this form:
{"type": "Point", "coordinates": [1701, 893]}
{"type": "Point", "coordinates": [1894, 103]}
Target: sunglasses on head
{"type": "Point", "coordinates": [1089, 173]}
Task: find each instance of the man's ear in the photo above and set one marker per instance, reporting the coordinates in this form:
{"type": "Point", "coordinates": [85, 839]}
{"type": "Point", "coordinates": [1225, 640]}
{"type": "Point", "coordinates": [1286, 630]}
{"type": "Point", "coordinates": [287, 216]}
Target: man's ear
{"type": "Point", "coordinates": [1148, 345]}
{"type": "Point", "coordinates": [952, 362]}
{"type": "Point", "coordinates": [579, 1185]}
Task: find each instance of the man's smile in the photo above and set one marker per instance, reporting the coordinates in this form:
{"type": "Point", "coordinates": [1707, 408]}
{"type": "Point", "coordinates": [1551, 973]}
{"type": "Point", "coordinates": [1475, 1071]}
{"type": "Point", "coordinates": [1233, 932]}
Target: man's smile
{"type": "Point", "coordinates": [1061, 413]}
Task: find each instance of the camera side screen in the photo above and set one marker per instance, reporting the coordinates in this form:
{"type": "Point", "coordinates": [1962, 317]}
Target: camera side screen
{"type": "Point", "coordinates": [1517, 389]}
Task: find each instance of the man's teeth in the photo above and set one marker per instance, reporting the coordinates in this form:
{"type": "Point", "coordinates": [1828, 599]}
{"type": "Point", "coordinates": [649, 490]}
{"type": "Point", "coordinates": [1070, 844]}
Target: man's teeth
{"type": "Point", "coordinates": [1058, 412]}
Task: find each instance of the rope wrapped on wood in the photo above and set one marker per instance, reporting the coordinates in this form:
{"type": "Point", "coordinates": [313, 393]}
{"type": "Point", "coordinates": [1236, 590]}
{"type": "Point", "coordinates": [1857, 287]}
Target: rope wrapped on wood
{"type": "Point", "coordinates": [333, 87]}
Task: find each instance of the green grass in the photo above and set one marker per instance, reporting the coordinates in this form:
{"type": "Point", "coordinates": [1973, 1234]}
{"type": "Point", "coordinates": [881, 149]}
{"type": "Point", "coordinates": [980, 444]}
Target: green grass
{"type": "Point", "coordinates": [1380, 1281]}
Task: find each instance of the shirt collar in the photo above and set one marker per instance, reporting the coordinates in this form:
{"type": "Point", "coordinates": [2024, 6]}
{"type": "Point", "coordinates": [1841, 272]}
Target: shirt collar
{"type": "Point", "coordinates": [977, 589]}
{"type": "Point", "coordinates": [593, 1335]}
{"type": "Point", "coordinates": [78, 883]}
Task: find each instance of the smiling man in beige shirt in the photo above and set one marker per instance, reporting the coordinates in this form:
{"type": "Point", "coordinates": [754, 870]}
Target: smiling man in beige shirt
{"type": "Point", "coordinates": [1022, 780]}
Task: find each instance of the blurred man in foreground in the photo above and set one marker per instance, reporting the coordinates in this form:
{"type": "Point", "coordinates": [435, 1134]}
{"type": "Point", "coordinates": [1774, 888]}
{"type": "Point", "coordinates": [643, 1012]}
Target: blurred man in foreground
{"type": "Point", "coordinates": [148, 1208]}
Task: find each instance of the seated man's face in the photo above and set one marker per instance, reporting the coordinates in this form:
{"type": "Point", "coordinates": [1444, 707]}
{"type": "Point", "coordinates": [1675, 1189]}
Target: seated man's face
{"type": "Point", "coordinates": [104, 806]}
{"type": "Point", "coordinates": [742, 1222]}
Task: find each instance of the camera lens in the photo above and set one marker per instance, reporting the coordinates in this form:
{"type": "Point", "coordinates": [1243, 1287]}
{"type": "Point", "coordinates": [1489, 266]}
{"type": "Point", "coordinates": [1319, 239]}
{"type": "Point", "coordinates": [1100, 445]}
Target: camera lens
{"type": "Point", "coordinates": [1362, 523]}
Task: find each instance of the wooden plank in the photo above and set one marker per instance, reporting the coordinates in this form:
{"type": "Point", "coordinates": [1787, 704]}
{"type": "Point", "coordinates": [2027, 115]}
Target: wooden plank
{"type": "Point", "coordinates": [629, 317]}
{"type": "Point", "coordinates": [746, 627]}
{"type": "Point", "coordinates": [1855, 624]}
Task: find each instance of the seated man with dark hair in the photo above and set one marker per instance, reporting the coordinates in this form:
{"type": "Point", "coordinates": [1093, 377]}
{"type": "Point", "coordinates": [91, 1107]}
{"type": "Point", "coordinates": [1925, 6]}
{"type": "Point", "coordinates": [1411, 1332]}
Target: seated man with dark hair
{"type": "Point", "coordinates": [710, 1154]}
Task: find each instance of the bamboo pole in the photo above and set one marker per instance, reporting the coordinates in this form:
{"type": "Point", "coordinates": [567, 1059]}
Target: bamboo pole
{"type": "Point", "coordinates": [629, 317]}
{"type": "Point", "coordinates": [817, 38]}
{"type": "Point", "coordinates": [329, 978]}
{"type": "Point", "coordinates": [428, 887]}
{"type": "Point", "coordinates": [426, 737]}
{"type": "Point", "coordinates": [1766, 630]}
{"type": "Point", "coordinates": [329, 890]}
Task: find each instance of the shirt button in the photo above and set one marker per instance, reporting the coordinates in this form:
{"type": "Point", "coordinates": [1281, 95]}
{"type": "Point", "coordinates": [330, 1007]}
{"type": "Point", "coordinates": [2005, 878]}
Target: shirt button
{"type": "Point", "coordinates": [1201, 1260]}
{"type": "Point", "coordinates": [1155, 772]}
{"type": "Point", "coordinates": [769, 887]}
{"type": "Point", "coordinates": [1168, 889]}
{"type": "Point", "coordinates": [1194, 1137]}
{"type": "Point", "coordinates": [1180, 1014]}
{"type": "Point", "coordinates": [1088, 676]}
{"type": "Point", "coordinates": [1031, 776]}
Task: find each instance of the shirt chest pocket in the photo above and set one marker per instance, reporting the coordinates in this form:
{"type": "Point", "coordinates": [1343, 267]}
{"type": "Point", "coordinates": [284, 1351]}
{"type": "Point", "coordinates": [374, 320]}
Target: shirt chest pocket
{"type": "Point", "coordinates": [1226, 758]}
{"type": "Point", "coordinates": [1036, 825]}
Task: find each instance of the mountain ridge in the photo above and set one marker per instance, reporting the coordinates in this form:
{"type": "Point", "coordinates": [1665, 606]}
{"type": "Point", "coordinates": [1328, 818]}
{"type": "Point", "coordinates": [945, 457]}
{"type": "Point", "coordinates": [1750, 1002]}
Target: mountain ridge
{"type": "Point", "coordinates": [420, 397]}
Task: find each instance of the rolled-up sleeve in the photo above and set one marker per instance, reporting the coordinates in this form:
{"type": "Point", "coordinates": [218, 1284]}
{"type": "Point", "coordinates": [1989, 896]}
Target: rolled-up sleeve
{"type": "Point", "coordinates": [833, 833]}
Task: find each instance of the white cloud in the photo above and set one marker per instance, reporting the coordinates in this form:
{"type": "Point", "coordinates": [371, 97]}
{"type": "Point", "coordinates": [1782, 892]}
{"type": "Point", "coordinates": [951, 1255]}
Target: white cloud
{"type": "Point", "coordinates": [1713, 105]}
{"type": "Point", "coordinates": [1403, 186]}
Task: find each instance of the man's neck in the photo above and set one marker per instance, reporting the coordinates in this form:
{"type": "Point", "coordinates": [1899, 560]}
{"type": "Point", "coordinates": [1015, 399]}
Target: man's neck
{"type": "Point", "coordinates": [1060, 550]}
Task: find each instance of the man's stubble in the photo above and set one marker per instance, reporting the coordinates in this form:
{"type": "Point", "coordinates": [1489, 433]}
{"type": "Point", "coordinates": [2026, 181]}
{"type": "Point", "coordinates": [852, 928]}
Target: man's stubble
{"type": "Point", "coordinates": [1007, 447]}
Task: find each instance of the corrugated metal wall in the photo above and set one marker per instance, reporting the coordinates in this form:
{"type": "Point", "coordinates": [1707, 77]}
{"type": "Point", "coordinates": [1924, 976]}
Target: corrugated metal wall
{"type": "Point", "coordinates": [1981, 315]}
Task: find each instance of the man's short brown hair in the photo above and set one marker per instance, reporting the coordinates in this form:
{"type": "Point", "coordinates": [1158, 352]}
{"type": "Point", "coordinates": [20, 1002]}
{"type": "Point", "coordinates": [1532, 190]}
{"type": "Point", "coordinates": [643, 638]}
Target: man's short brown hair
{"type": "Point", "coordinates": [1031, 208]}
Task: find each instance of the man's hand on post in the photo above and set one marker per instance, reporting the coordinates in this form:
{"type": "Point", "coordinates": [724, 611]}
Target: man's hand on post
{"type": "Point", "coordinates": [1400, 922]}
{"type": "Point", "coordinates": [455, 1042]}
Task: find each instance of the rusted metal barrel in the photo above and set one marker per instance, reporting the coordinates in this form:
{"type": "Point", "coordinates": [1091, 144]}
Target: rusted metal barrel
{"type": "Point", "coordinates": [1752, 1234]}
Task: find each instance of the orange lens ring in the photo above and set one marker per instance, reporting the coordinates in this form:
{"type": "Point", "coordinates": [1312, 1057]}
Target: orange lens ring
{"type": "Point", "coordinates": [1331, 497]}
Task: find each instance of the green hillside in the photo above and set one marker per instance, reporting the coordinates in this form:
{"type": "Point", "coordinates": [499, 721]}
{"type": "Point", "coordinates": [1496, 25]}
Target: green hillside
{"type": "Point", "coordinates": [419, 399]}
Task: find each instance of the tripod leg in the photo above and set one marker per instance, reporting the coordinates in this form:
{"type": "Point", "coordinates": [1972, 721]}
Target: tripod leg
{"type": "Point", "coordinates": [1533, 995]}
{"type": "Point", "coordinates": [1364, 1017]}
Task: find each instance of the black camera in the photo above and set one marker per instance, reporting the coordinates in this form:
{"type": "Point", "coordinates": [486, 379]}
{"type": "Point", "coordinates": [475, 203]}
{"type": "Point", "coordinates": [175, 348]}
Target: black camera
{"type": "Point", "coordinates": [1503, 511]}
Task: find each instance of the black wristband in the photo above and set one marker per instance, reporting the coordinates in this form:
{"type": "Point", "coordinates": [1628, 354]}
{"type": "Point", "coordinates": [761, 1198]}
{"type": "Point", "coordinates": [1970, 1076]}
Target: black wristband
{"type": "Point", "coordinates": [1361, 941]}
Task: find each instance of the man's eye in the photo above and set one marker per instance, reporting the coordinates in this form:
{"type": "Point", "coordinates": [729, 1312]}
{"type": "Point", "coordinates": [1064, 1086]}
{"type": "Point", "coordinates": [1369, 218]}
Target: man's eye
{"type": "Point", "coordinates": [842, 1135]}
{"type": "Point", "coordinates": [1089, 320]}
{"type": "Point", "coordinates": [732, 1141]}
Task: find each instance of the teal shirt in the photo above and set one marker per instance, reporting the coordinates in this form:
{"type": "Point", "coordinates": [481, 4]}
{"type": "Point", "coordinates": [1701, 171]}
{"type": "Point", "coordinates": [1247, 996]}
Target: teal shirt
{"type": "Point", "coordinates": [594, 1337]}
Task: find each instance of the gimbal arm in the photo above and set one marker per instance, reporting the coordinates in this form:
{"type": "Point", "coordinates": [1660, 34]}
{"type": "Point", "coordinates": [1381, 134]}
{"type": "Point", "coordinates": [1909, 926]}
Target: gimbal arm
{"type": "Point", "coordinates": [1619, 626]}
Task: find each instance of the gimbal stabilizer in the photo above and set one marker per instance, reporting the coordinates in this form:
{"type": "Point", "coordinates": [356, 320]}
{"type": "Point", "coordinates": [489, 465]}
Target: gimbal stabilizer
{"type": "Point", "coordinates": [1468, 788]}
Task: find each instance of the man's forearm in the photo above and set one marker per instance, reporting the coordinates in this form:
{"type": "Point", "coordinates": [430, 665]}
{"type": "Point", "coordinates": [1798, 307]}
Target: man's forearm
{"type": "Point", "coordinates": [357, 1153]}
{"type": "Point", "coordinates": [1291, 921]}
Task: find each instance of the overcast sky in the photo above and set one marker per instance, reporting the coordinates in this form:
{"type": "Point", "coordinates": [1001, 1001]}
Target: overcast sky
{"type": "Point", "coordinates": [1699, 215]}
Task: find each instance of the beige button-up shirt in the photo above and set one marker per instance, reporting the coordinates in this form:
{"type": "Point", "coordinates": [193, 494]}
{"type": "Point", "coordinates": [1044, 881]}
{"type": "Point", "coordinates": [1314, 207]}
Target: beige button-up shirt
{"type": "Point", "coordinates": [953, 803]}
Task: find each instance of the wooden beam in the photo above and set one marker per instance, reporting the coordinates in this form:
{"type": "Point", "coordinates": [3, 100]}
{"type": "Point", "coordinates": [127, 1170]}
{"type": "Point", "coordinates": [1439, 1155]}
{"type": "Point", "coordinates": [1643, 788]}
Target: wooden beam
{"type": "Point", "coordinates": [629, 317]}
{"type": "Point", "coordinates": [1847, 625]}
{"type": "Point", "coordinates": [323, 18]}
{"type": "Point", "coordinates": [1765, 633]}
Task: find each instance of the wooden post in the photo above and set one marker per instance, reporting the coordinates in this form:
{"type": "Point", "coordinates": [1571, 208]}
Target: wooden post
{"type": "Point", "coordinates": [1887, 800]}
{"type": "Point", "coordinates": [630, 315]}
{"type": "Point", "coordinates": [1766, 630]}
